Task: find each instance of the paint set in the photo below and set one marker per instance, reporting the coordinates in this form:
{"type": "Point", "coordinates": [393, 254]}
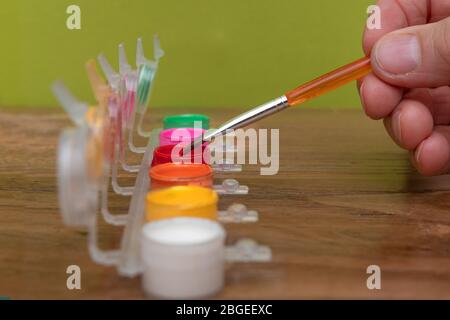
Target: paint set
{"type": "Point", "coordinates": [174, 234]}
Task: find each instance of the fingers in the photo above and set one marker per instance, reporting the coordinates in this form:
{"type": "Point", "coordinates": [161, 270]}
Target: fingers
{"type": "Point", "coordinates": [378, 98]}
{"type": "Point", "coordinates": [411, 127]}
{"type": "Point", "coordinates": [437, 100]}
{"type": "Point", "coordinates": [410, 123]}
{"type": "Point", "coordinates": [432, 156]}
{"type": "Point", "coordinates": [409, 87]}
{"type": "Point", "coordinates": [414, 57]}
{"type": "Point", "coordinates": [438, 10]}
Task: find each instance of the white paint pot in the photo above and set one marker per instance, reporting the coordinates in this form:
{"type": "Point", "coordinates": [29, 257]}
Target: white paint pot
{"type": "Point", "coordinates": [183, 258]}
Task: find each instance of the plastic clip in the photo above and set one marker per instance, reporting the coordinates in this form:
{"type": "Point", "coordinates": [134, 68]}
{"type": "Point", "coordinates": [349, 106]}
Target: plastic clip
{"type": "Point", "coordinates": [248, 250]}
{"type": "Point", "coordinates": [238, 213]}
{"type": "Point", "coordinates": [230, 186]}
{"type": "Point", "coordinates": [75, 109]}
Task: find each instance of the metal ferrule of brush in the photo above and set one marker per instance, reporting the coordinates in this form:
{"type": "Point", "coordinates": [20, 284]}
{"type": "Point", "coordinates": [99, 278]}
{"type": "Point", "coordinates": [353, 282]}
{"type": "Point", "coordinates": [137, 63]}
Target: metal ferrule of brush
{"type": "Point", "coordinates": [251, 116]}
{"type": "Point", "coordinates": [243, 120]}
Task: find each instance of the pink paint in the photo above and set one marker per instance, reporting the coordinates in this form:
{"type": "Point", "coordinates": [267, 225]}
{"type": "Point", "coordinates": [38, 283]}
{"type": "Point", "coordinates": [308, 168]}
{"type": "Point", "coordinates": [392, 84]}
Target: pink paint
{"type": "Point", "coordinates": [176, 135]}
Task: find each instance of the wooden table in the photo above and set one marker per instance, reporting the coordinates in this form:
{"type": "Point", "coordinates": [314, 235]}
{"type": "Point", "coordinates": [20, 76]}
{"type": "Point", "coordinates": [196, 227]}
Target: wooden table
{"type": "Point", "coordinates": [345, 198]}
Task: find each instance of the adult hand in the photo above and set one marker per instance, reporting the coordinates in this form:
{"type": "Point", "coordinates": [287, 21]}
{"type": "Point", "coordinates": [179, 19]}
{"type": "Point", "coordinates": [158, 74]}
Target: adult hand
{"type": "Point", "coordinates": [409, 86]}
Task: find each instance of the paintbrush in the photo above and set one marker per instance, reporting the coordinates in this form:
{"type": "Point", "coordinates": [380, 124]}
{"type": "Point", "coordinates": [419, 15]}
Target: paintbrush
{"type": "Point", "coordinates": [317, 87]}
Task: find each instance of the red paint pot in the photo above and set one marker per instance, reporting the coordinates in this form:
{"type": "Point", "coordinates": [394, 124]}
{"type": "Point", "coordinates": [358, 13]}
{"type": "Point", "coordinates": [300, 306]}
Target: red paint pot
{"type": "Point", "coordinates": [163, 154]}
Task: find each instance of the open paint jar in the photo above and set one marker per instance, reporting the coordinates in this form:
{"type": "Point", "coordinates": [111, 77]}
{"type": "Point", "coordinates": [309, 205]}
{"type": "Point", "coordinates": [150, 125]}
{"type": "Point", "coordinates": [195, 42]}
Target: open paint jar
{"type": "Point", "coordinates": [182, 201]}
{"type": "Point", "coordinates": [183, 258]}
{"type": "Point", "coordinates": [163, 154]}
{"type": "Point", "coordinates": [186, 121]}
{"type": "Point", "coordinates": [176, 135]}
{"type": "Point", "coordinates": [174, 174]}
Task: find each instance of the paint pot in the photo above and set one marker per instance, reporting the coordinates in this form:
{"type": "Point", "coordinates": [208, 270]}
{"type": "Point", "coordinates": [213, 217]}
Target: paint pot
{"type": "Point", "coordinates": [174, 174]}
{"type": "Point", "coordinates": [182, 201]}
{"type": "Point", "coordinates": [163, 154]}
{"type": "Point", "coordinates": [183, 258]}
{"type": "Point", "coordinates": [176, 135]}
{"type": "Point", "coordinates": [186, 121]}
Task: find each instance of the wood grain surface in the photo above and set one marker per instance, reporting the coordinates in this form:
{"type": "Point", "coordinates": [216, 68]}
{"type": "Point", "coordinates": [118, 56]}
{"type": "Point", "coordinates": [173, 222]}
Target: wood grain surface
{"type": "Point", "coordinates": [345, 198]}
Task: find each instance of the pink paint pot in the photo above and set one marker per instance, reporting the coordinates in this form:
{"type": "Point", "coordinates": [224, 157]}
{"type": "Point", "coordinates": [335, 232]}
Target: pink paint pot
{"type": "Point", "coordinates": [176, 135]}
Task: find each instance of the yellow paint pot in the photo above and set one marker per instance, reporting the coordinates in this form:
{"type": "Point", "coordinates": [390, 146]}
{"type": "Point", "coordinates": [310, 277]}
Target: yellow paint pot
{"type": "Point", "coordinates": [182, 201]}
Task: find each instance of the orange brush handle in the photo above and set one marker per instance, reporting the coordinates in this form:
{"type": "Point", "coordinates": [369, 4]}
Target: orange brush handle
{"type": "Point", "coordinates": [329, 81]}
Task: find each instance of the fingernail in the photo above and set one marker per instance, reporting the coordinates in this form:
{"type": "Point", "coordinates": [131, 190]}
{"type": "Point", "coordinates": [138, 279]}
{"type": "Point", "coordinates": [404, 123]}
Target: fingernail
{"type": "Point", "coordinates": [396, 127]}
{"type": "Point", "coordinates": [418, 153]}
{"type": "Point", "coordinates": [361, 94]}
{"type": "Point", "coordinates": [412, 155]}
{"type": "Point", "coordinates": [398, 54]}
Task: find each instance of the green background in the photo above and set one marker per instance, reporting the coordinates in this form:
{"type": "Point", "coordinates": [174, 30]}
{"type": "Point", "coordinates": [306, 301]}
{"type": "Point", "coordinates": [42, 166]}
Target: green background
{"type": "Point", "coordinates": [219, 53]}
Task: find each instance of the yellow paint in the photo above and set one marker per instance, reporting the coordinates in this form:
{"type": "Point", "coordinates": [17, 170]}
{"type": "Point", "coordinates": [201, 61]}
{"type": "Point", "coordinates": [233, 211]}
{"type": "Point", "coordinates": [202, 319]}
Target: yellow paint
{"type": "Point", "coordinates": [187, 201]}
{"type": "Point", "coordinates": [95, 145]}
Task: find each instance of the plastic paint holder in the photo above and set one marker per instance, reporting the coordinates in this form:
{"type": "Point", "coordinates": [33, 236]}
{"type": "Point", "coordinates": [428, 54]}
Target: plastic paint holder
{"type": "Point", "coordinates": [237, 213]}
{"type": "Point", "coordinates": [131, 91]}
{"type": "Point", "coordinates": [76, 192]}
{"type": "Point", "coordinates": [127, 259]}
{"type": "Point", "coordinates": [230, 186]}
{"type": "Point", "coordinates": [227, 150]}
{"type": "Point", "coordinates": [111, 141]}
{"type": "Point", "coordinates": [134, 88]}
{"type": "Point", "coordinates": [130, 262]}
{"type": "Point", "coordinates": [84, 151]}
{"type": "Point", "coordinates": [144, 254]}
{"type": "Point", "coordinates": [248, 250]}
{"type": "Point", "coordinates": [79, 188]}
{"type": "Point", "coordinates": [82, 165]}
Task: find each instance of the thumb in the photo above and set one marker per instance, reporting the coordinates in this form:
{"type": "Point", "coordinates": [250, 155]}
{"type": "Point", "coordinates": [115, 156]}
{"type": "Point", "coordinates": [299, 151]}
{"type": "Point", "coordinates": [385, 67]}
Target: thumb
{"type": "Point", "coordinates": [415, 57]}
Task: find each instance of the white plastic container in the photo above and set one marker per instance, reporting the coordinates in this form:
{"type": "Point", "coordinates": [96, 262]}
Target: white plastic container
{"type": "Point", "coordinates": [183, 258]}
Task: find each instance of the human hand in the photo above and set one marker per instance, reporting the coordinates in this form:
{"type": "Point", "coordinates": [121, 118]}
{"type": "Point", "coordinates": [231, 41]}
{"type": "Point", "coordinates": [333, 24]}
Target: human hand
{"type": "Point", "coordinates": [409, 87]}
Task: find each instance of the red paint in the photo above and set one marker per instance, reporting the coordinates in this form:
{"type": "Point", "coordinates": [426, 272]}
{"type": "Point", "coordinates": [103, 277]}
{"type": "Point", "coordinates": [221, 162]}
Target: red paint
{"type": "Point", "coordinates": [163, 154]}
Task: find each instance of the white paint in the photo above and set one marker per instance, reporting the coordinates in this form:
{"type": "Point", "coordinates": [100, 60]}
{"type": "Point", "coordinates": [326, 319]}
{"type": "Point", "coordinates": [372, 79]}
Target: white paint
{"type": "Point", "coordinates": [183, 258]}
{"type": "Point", "coordinates": [182, 231]}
